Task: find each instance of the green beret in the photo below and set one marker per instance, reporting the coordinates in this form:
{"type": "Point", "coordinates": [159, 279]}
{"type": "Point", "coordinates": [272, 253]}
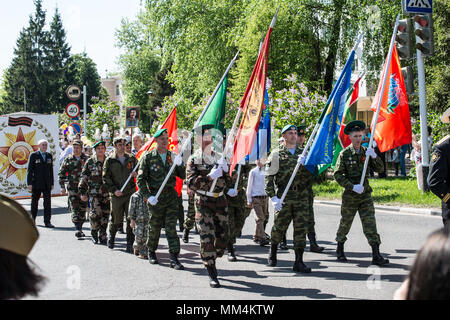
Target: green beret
{"type": "Point", "coordinates": [301, 129]}
{"type": "Point", "coordinates": [78, 143]}
{"type": "Point", "coordinates": [103, 143]}
{"type": "Point", "coordinates": [288, 127]}
{"type": "Point", "coordinates": [117, 140]}
{"type": "Point", "coordinates": [159, 133]}
{"type": "Point", "coordinates": [356, 125]}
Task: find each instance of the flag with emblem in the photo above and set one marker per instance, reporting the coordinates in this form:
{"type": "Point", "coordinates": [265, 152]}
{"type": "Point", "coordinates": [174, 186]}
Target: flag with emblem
{"type": "Point", "coordinates": [394, 122]}
{"type": "Point", "coordinates": [252, 104]}
{"type": "Point", "coordinates": [322, 150]}
{"type": "Point", "coordinates": [343, 141]}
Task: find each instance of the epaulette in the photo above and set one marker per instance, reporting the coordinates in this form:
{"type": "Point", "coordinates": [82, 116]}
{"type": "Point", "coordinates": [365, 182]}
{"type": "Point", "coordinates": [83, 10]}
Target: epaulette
{"type": "Point", "coordinates": [442, 140]}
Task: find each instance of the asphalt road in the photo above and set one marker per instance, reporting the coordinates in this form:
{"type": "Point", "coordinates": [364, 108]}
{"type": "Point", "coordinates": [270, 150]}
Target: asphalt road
{"type": "Point", "coordinates": [78, 269]}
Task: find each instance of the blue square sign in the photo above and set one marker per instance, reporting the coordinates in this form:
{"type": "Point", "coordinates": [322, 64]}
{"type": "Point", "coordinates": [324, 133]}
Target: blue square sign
{"type": "Point", "coordinates": [419, 6]}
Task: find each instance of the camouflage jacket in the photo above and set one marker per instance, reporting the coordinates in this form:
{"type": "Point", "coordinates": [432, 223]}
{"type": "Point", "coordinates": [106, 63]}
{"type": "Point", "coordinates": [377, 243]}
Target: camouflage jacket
{"type": "Point", "coordinates": [241, 198]}
{"type": "Point", "coordinates": [91, 178]}
{"type": "Point", "coordinates": [138, 209]}
{"type": "Point", "coordinates": [279, 167]}
{"type": "Point", "coordinates": [115, 174]}
{"type": "Point", "coordinates": [70, 171]}
{"type": "Point", "coordinates": [153, 171]}
{"type": "Point", "coordinates": [198, 167]}
{"type": "Point", "coordinates": [350, 165]}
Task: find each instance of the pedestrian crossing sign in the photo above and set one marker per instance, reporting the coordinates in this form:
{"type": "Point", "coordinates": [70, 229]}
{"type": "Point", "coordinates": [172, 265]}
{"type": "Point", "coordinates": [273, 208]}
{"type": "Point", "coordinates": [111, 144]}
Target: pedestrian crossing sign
{"type": "Point", "coordinates": [418, 6]}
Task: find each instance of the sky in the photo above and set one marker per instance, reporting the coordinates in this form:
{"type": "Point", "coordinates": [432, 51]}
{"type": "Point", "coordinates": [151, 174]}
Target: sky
{"type": "Point", "coordinates": [90, 26]}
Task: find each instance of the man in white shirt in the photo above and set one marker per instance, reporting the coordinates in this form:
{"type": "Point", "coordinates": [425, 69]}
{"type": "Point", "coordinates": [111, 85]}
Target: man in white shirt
{"type": "Point", "coordinates": [258, 200]}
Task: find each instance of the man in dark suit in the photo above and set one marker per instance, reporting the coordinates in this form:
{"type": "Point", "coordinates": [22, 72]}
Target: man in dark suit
{"type": "Point", "coordinates": [40, 181]}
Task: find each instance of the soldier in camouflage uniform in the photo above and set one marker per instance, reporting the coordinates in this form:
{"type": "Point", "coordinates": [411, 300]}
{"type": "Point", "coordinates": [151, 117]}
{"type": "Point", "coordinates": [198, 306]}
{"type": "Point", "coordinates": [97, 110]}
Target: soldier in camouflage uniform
{"type": "Point", "coordinates": [189, 222]}
{"type": "Point", "coordinates": [70, 172]}
{"type": "Point", "coordinates": [279, 168]}
{"type": "Point", "coordinates": [153, 170]}
{"type": "Point", "coordinates": [237, 203]}
{"type": "Point", "coordinates": [211, 215]}
{"type": "Point", "coordinates": [139, 217]}
{"type": "Point", "coordinates": [91, 184]}
{"type": "Point", "coordinates": [313, 246]}
{"type": "Point", "coordinates": [356, 197]}
{"type": "Point", "coordinates": [116, 170]}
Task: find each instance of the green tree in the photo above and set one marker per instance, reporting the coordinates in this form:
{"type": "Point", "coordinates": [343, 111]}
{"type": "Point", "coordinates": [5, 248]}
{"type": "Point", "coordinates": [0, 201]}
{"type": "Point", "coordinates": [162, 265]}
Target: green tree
{"type": "Point", "coordinates": [103, 112]}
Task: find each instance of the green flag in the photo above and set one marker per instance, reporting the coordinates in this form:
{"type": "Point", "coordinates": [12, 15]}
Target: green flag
{"type": "Point", "coordinates": [216, 111]}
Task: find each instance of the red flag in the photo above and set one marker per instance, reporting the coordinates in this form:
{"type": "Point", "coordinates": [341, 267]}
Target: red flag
{"type": "Point", "coordinates": [171, 125]}
{"type": "Point", "coordinates": [349, 114]}
{"type": "Point", "coordinates": [394, 122]}
{"type": "Point", "coordinates": [252, 105]}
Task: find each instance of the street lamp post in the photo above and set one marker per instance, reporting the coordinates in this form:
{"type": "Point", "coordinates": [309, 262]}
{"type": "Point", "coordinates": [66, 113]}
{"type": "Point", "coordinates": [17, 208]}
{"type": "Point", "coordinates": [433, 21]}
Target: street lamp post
{"type": "Point", "coordinates": [150, 94]}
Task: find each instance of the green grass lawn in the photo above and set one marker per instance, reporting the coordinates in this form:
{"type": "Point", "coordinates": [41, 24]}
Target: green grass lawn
{"type": "Point", "coordinates": [389, 191]}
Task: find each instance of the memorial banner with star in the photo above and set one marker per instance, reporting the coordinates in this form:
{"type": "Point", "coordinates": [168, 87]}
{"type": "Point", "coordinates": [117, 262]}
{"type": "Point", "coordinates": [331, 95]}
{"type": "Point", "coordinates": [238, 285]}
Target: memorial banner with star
{"type": "Point", "coordinates": [19, 135]}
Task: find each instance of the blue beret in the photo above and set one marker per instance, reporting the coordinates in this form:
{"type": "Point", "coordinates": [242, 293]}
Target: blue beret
{"type": "Point", "coordinates": [288, 127]}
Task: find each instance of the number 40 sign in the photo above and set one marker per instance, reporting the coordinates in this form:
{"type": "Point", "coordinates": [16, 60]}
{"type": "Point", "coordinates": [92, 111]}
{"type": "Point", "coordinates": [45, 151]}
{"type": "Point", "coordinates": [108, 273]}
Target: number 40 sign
{"type": "Point", "coordinates": [73, 110]}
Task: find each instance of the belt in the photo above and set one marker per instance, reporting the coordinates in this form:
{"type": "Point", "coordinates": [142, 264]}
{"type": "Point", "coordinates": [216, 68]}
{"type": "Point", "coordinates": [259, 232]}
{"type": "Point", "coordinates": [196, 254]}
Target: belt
{"type": "Point", "coordinates": [210, 194]}
{"type": "Point", "coordinates": [260, 197]}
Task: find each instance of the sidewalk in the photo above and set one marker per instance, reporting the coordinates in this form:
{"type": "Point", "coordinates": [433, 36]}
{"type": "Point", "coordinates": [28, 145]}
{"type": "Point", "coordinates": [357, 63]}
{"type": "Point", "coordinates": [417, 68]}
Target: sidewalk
{"type": "Point", "coordinates": [411, 210]}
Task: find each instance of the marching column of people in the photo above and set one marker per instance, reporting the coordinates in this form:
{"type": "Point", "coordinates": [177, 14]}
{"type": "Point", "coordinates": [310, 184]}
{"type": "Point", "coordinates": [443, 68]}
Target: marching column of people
{"type": "Point", "coordinates": [219, 214]}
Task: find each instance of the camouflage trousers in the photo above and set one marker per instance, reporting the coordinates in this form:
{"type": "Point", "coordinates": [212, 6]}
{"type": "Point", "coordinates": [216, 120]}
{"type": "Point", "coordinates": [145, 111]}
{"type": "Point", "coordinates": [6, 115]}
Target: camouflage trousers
{"type": "Point", "coordinates": [311, 223]}
{"type": "Point", "coordinates": [190, 217]}
{"type": "Point", "coordinates": [363, 204]}
{"type": "Point", "coordinates": [78, 207]}
{"type": "Point", "coordinates": [236, 221]}
{"type": "Point", "coordinates": [211, 217]}
{"type": "Point", "coordinates": [180, 211]}
{"type": "Point", "coordinates": [141, 235]}
{"type": "Point", "coordinates": [99, 216]}
{"type": "Point", "coordinates": [296, 210]}
{"type": "Point", "coordinates": [166, 210]}
{"type": "Point", "coordinates": [119, 209]}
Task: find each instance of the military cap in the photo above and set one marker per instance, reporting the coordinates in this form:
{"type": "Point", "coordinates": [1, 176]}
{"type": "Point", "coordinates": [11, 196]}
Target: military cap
{"type": "Point", "coordinates": [159, 133]}
{"type": "Point", "coordinates": [103, 143]}
{"type": "Point", "coordinates": [446, 116]}
{"type": "Point", "coordinates": [117, 140]}
{"type": "Point", "coordinates": [356, 125]}
{"type": "Point", "coordinates": [288, 127]}
{"type": "Point", "coordinates": [301, 129]}
{"type": "Point", "coordinates": [78, 143]}
{"type": "Point", "coordinates": [18, 233]}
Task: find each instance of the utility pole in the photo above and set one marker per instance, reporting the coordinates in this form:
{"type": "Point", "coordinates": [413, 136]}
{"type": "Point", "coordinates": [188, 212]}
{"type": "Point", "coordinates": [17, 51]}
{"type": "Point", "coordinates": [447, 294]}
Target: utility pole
{"type": "Point", "coordinates": [24, 99]}
{"type": "Point", "coordinates": [85, 109]}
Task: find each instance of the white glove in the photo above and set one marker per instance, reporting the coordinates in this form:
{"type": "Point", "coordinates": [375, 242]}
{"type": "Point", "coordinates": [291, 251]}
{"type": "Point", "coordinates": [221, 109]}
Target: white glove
{"type": "Point", "coordinates": [178, 160]}
{"type": "Point", "coordinates": [371, 153]}
{"type": "Point", "coordinates": [153, 200]}
{"type": "Point", "coordinates": [301, 160]}
{"type": "Point", "coordinates": [223, 164]}
{"type": "Point", "coordinates": [358, 188]}
{"type": "Point", "coordinates": [276, 203]}
{"type": "Point", "coordinates": [216, 173]}
{"type": "Point", "coordinates": [232, 193]}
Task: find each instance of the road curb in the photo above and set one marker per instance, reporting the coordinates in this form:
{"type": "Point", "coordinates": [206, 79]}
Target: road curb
{"type": "Point", "coordinates": [431, 212]}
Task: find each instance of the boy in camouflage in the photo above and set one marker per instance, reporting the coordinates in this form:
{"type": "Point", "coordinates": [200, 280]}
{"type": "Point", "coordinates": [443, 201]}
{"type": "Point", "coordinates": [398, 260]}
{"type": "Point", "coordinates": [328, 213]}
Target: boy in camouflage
{"type": "Point", "coordinates": [357, 197]}
{"type": "Point", "coordinates": [139, 217]}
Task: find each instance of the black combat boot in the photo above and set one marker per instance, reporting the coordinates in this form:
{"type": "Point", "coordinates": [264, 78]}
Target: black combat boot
{"type": "Point", "coordinates": [152, 259]}
{"type": "Point", "coordinates": [129, 248]}
{"type": "Point", "coordinates": [283, 243]}
{"type": "Point", "coordinates": [78, 234]}
{"type": "Point", "coordinates": [186, 236]}
{"type": "Point", "coordinates": [299, 266]}
{"type": "Point", "coordinates": [174, 263]}
{"type": "Point", "coordinates": [340, 252]}
{"type": "Point", "coordinates": [81, 229]}
{"type": "Point", "coordinates": [94, 235]}
{"type": "Point", "coordinates": [313, 246]}
{"type": "Point", "coordinates": [231, 254]}
{"type": "Point", "coordinates": [272, 260]}
{"type": "Point", "coordinates": [111, 240]}
{"type": "Point", "coordinates": [212, 272]}
{"type": "Point", "coordinates": [377, 259]}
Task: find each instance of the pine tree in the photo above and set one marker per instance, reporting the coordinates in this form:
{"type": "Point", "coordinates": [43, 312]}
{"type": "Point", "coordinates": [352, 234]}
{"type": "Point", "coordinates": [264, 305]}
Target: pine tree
{"type": "Point", "coordinates": [59, 77]}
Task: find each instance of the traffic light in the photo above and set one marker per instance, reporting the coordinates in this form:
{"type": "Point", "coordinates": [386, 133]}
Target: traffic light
{"type": "Point", "coordinates": [403, 39]}
{"type": "Point", "coordinates": [423, 25]}
{"type": "Point", "coordinates": [408, 77]}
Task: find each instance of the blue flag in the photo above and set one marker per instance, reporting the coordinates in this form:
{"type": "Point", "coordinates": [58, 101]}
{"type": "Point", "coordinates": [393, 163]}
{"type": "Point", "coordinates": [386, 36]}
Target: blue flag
{"type": "Point", "coordinates": [262, 144]}
{"type": "Point", "coordinates": [321, 151]}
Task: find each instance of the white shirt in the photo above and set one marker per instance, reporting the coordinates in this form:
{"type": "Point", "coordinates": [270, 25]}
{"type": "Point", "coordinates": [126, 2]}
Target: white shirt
{"type": "Point", "coordinates": [256, 184]}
